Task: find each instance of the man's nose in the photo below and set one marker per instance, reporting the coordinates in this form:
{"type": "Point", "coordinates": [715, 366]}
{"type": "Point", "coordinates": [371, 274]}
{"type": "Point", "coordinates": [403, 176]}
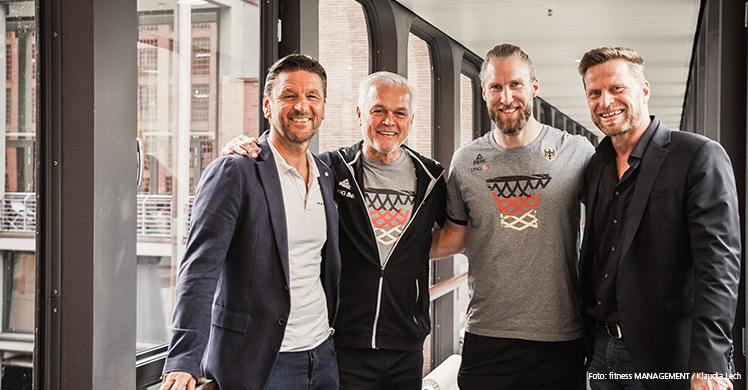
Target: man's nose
{"type": "Point", "coordinates": [389, 119]}
{"type": "Point", "coordinates": [606, 99]}
{"type": "Point", "coordinates": [506, 96]}
{"type": "Point", "coordinates": [300, 105]}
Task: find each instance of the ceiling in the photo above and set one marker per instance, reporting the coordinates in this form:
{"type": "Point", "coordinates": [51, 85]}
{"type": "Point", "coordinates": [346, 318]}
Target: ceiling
{"type": "Point", "coordinates": [556, 33]}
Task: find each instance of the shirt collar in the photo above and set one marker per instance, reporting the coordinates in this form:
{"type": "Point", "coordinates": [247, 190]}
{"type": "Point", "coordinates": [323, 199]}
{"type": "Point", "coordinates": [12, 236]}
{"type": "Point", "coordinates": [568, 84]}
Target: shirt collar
{"type": "Point", "coordinates": [608, 154]}
{"type": "Point", "coordinates": [284, 167]}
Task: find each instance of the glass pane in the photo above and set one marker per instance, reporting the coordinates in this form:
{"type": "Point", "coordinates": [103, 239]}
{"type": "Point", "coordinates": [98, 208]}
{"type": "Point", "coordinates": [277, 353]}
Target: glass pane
{"type": "Point", "coordinates": [466, 110]}
{"type": "Point", "coordinates": [198, 87]}
{"type": "Point", "coordinates": [18, 205]}
{"type": "Point", "coordinates": [344, 52]}
{"type": "Point", "coordinates": [419, 74]}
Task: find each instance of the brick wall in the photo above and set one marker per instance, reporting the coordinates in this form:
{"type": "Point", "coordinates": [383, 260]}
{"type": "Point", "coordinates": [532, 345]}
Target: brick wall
{"type": "Point", "coordinates": [344, 52]}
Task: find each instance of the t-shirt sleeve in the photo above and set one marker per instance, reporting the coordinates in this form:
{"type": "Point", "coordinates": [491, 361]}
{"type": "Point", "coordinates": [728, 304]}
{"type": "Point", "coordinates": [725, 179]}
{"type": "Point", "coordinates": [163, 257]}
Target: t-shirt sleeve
{"type": "Point", "coordinates": [456, 209]}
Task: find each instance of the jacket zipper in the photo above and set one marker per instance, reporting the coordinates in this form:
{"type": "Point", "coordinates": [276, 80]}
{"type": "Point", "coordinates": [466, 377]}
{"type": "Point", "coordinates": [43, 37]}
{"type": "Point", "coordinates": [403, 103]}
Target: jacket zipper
{"type": "Point", "coordinates": [432, 183]}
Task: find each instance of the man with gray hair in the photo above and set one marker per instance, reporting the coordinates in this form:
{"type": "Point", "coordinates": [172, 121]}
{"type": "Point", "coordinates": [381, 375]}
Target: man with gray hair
{"type": "Point", "coordinates": [388, 197]}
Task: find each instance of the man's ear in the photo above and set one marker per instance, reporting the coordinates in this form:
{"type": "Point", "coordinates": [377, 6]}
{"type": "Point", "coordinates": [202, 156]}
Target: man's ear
{"type": "Point", "coordinates": [266, 107]}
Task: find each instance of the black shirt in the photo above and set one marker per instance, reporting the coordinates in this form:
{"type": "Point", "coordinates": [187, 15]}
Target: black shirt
{"type": "Point", "coordinates": [610, 213]}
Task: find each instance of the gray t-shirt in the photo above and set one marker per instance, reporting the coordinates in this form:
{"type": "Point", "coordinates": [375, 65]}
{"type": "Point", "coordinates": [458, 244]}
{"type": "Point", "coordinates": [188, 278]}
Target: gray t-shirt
{"type": "Point", "coordinates": [522, 209]}
{"type": "Point", "coordinates": [390, 190]}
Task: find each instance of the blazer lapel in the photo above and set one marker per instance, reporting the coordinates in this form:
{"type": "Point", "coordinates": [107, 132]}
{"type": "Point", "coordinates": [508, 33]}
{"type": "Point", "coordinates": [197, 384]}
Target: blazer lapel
{"type": "Point", "coordinates": [652, 160]}
{"type": "Point", "coordinates": [327, 194]}
{"type": "Point", "coordinates": [590, 201]}
{"type": "Point", "coordinates": [268, 173]}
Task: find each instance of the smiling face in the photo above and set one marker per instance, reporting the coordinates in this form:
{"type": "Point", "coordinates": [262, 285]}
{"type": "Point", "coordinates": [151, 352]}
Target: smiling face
{"type": "Point", "coordinates": [385, 121]}
{"type": "Point", "coordinates": [508, 92]}
{"type": "Point", "coordinates": [296, 106]}
{"type": "Point", "coordinates": [618, 103]}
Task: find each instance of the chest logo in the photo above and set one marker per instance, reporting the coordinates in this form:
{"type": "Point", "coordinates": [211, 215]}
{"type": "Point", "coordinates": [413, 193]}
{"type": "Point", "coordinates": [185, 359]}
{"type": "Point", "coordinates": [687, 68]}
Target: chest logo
{"type": "Point", "coordinates": [549, 154]}
{"type": "Point", "coordinates": [389, 211]}
{"type": "Point", "coordinates": [344, 189]}
{"type": "Point", "coordinates": [517, 199]}
{"type": "Point", "coordinates": [479, 160]}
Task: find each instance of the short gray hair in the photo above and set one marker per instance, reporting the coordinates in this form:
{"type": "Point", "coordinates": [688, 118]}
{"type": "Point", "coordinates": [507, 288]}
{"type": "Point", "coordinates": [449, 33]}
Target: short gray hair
{"type": "Point", "coordinates": [389, 79]}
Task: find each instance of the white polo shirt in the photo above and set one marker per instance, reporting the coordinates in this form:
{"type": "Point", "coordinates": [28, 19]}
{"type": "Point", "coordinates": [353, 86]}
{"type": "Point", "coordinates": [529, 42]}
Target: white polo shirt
{"type": "Point", "coordinates": [307, 325]}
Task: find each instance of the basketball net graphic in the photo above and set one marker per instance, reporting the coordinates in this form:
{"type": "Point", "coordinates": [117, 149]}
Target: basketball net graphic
{"type": "Point", "coordinates": [387, 212]}
{"type": "Point", "coordinates": [516, 201]}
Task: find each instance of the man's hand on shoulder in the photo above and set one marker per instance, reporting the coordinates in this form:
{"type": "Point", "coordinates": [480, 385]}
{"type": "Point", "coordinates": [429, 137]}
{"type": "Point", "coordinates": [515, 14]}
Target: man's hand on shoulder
{"type": "Point", "coordinates": [177, 380]}
{"type": "Point", "coordinates": [241, 145]}
{"type": "Point", "coordinates": [705, 381]}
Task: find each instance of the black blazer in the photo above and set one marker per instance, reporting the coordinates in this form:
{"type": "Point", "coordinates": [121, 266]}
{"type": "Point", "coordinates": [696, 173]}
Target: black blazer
{"type": "Point", "coordinates": [678, 276]}
{"type": "Point", "coordinates": [232, 298]}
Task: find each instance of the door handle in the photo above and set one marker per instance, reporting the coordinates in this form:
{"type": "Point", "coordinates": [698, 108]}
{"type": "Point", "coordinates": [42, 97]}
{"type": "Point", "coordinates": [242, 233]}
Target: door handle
{"type": "Point", "coordinates": [141, 161]}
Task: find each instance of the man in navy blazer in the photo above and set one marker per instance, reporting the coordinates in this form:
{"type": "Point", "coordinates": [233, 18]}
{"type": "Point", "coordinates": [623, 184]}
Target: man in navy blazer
{"type": "Point", "coordinates": [660, 262]}
{"type": "Point", "coordinates": [257, 291]}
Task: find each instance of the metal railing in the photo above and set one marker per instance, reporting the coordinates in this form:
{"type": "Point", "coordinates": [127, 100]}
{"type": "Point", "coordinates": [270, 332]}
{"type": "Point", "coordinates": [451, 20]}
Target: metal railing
{"type": "Point", "coordinates": [154, 214]}
{"type": "Point", "coordinates": [18, 212]}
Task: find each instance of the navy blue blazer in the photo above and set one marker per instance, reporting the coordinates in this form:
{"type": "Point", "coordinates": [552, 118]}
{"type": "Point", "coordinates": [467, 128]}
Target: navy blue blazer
{"type": "Point", "coordinates": [232, 296]}
{"type": "Point", "coordinates": [680, 268]}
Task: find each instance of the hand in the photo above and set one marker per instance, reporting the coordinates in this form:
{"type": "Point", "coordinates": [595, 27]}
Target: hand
{"type": "Point", "coordinates": [705, 381]}
{"type": "Point", "coordinates": [177, 380]}
{"type": "Point", "coordinates": [241, 145]}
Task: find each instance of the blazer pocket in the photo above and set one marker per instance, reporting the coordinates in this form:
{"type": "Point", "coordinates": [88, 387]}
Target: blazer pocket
{"type": "Point", "coordinates": [679, 307]}
{"type": "Point", "coordinates": [664, 193]}
{"type": "Point", "coordinates": [231, 320]}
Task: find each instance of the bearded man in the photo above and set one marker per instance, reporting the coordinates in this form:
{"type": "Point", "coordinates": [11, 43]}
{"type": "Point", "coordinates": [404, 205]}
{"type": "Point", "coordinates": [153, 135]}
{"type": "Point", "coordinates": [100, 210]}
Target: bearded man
{"type": "Point", "coordinates": [513, 200]}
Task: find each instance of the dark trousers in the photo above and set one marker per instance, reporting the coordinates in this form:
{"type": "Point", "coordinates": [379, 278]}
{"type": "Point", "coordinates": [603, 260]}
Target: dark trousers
{"type": "Point", "coordinates": [490, 363]}
{"type": "Point", "coordinates": [611, 368]}
{"type": "Point", "coordinates": [315, 369]}
{"type": "Point", "coordinates": [375, 369]}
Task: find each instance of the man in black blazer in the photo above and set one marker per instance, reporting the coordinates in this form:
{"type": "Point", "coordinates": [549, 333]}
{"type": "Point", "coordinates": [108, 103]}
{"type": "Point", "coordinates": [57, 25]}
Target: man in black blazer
{"type": "Point", "coordinates": [660, 261]}
{"type": "Point", "coordinates": [257, 290]}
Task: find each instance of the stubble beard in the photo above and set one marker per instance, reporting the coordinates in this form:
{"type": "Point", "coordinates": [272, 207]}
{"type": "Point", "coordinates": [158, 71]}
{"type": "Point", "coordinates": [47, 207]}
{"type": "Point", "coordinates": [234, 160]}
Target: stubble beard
{"type": "Point", "coordinates": [632, 117]}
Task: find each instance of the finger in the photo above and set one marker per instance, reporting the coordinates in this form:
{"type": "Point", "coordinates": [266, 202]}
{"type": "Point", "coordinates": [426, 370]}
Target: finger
{"type": "Point", "coordinates": [237, 147]}
{"type": "Point", "coordinates": [167, 384]}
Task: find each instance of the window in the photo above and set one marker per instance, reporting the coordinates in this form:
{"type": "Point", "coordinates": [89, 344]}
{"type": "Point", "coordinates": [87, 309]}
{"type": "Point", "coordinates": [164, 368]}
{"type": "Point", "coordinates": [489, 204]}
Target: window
{"type": "Point", "coordinates": [190, 105]}
{"type": "Point", "coordinates": [148, 56]}
{"type": "Point", "coordinates": [18, 294]}
{"type": "Point", "coordinates": [466, 109]}
{"type": "Point", "coordinates": [201, 56]}
{"type": "Point", "coordinates": [420, 75]}
{"type": "Point", "coordinates": [17, 196]}
{"type": "Point", "coordinates": [344, 52]}
{"type": "Point", "coordinates": [147, 101]}
{"type": "Point", "coordinates": [200, 103]}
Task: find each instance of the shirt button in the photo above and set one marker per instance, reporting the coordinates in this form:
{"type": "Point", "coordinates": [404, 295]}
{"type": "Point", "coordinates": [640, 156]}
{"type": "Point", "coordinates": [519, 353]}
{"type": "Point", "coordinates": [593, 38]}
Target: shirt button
{"type": "Point", "coordinates": [606, 276]}
{"type": "Point", "coordinates": [599, 303]}
{"type": "Point", "coordinates": [616, 193]}
{"type": "Point", "coordinates": [613, 249]}
{"type": "Point", "coordinates": [615, 220]}
{"type": "Point", "coordinates": [282, 321]}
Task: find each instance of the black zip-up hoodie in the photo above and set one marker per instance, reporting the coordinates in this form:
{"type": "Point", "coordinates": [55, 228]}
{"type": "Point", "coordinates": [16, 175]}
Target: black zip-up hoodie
{"type": "Point", "coordinates": [384, 306]}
